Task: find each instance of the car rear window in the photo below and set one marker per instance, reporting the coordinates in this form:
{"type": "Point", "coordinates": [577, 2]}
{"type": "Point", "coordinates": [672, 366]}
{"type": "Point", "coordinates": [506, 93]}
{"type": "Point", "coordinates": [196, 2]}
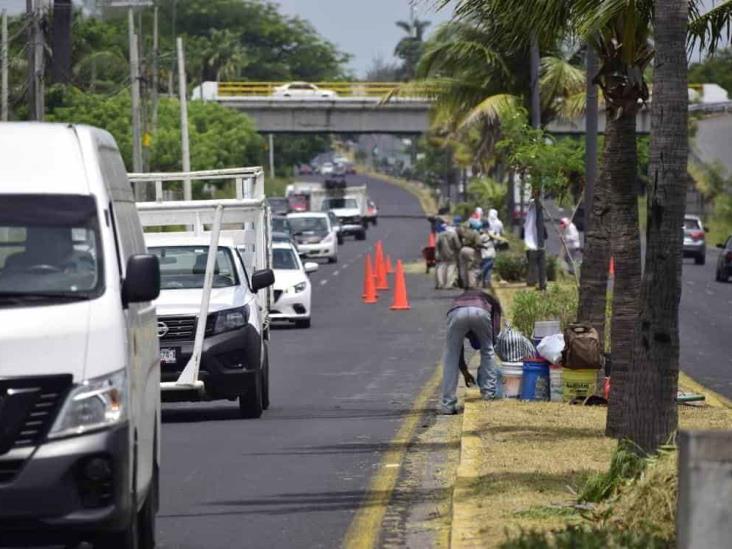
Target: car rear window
{"type": "Point", "coordinates": [692, 224]}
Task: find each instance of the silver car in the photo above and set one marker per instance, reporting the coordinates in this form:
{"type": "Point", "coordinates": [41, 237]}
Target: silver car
{"type": "Point", "coordinates": [694, 239]}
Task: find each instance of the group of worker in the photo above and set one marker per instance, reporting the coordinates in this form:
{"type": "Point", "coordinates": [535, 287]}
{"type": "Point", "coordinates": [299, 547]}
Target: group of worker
{"type": "Point", "coordinates": [465, 252]}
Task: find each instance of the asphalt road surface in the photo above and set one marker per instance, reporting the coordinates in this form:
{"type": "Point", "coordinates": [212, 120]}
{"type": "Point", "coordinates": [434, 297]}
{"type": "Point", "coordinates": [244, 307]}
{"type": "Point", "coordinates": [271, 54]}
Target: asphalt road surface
{"type": "Point", "coordinates": [339, 390]}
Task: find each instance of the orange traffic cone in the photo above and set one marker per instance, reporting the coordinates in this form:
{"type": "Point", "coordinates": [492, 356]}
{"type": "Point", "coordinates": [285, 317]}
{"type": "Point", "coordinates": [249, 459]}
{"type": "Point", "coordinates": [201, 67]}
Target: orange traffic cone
{"type": "Point", "coordinates": [389, 266]}
{"type": "Point", "coordinates": [431, 242]}
{"type": "Point", "coordinates": [400, 301]}
{"type": "Point", "coordinates": [382, 281]}
{"type": "Point", "coordinates": [611, 271]}
{"type": "Point", "coordinates": [369, 284]}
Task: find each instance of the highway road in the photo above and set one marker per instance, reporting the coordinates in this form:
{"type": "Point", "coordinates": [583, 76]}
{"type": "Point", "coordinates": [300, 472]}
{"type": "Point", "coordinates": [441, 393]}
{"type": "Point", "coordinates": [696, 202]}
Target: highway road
{"type": "Point", "coordinates": [340, 390]}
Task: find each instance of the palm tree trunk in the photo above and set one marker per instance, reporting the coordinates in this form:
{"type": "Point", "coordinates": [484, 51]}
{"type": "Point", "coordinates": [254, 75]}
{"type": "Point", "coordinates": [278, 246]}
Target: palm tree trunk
{"type": "Point", "coordinates": [621, 165]}
{"type": "Point", "coordinates": [651, 410]}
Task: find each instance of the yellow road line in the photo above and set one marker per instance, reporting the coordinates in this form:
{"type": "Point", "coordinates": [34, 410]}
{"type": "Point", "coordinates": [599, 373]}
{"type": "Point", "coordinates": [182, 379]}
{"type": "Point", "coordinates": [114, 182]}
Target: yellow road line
{"type": "Point", "coordinates": [712, 398]}
{"type": "Point", "coordinates": [365, 528]}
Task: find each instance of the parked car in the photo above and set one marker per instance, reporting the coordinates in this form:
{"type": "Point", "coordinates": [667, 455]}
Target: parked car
{"type": "Point", "coordinates": [694, 242]}
{"type": "Point", "coordinates": [336, 223]}
{"type": "Point", "coordinates": [79, 360]}
{"type": "Point", "coordinates": [278, 205]}
{"type": "Point", "coordinates": [315, 235]}
{"type": "Point", "coordinates": [292, 290]}
{"type": "Point", "coordinates": [305, 169]}
{"type": "Point", "coordinates": [298, 202]}
{"type": "Point", "coordinates": [372, 213]}
{"type": "Point", "coordinates": [724, 263]}
{"type": "Point", "coordinates": [303, 90]}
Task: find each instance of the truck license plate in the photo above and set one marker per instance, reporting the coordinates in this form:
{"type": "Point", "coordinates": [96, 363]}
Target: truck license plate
{"type": "Point", "coordinates": [167, 356]}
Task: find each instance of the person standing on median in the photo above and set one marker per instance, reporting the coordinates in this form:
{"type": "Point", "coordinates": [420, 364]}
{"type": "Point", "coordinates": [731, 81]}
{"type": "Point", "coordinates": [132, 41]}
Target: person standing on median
{"type": "Point", "coordinates": [446, 254]}
{"type": "Point", "coordinates": [475, 315]}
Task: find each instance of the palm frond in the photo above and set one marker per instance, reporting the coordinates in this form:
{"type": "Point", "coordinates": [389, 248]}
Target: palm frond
{"type": "Point", "coordinates": [706, 30]}
{"type": "Point", "coordinates": [491, 110]}
{"type": "Point", "coordinates": [559, 79]}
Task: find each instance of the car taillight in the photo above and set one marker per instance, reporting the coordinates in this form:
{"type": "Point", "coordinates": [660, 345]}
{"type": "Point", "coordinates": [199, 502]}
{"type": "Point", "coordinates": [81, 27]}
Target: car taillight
{"type": "Point", "coordinates": [696, 235]}
{"type": "Point", "coordinates": [729, 256]}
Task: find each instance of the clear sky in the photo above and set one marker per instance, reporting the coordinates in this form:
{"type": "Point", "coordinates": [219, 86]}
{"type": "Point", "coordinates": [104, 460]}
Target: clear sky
{"type": "Point", "coordinates": [364, 28]}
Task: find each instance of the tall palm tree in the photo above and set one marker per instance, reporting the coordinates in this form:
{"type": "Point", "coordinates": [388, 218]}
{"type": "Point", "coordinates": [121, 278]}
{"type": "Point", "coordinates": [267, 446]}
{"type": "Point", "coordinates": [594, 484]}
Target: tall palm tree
{"type": "Point", "coordinates": [620, 32]}
{"type": "Point", "coordinates": [409, 48]}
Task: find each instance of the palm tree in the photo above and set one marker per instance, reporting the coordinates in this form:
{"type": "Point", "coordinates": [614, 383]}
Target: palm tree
{"type": "Point", "coordinates": [409, 48]}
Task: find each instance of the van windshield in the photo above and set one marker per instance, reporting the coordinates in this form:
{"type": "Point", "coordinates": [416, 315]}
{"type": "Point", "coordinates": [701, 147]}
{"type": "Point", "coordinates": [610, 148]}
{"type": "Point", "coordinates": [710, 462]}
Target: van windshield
{"type": "Point", "coordinates": [49, 248]}
{"type": "Point", "coordinates": [184, 267]}
{"type": "Point", "coordinates": [303, 225]}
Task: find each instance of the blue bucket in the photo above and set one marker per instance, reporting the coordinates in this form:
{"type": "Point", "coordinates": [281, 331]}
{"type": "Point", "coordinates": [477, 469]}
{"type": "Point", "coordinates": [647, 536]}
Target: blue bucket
{"type": "Point", "coordinates": [535, 381]}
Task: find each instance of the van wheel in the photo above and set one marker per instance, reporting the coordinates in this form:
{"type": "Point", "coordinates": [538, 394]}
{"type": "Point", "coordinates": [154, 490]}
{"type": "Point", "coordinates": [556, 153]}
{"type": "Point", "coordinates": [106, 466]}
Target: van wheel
{"type": "Point", "coordinates": [361, 235]}
{"type": "Point", "coordinates": [265, 377]}
{"type": "Point", "coordinates": [333, 259]}
{"type": "Point", "coordinates": [305, 323]}
{"type": "Point", "coordinates": [250, 403]}
{"type": "Point", "coordinates": [140, 533]}
{"type": "Point", "coordinates": [341, 239]}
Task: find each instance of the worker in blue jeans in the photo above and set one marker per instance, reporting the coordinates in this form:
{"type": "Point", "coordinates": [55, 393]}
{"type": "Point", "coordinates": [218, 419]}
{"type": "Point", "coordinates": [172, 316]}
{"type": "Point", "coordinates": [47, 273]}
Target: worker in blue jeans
{"type": "Point", "coordinates": [474, 314]}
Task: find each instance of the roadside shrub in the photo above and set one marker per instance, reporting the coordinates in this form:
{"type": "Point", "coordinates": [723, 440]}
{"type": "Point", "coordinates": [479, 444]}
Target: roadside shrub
{"type": "Point", "coordinates": [511, 266]}
{"type": "Point", "coordinates": [558, 302]}
{"type": "Point", "coordinates": [625, 465]}
{"type": "Point", "coordinates": [579, 537]}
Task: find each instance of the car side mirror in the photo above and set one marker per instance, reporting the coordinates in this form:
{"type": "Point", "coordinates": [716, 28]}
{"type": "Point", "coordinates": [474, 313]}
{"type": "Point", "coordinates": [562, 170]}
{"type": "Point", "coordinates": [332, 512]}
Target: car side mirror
{"type": "Point", "coordinates": [261, 279]}
{"type": "Point", "coordinates": [311, 267]}
{"type": "Point", "coordinates": [142, 279]}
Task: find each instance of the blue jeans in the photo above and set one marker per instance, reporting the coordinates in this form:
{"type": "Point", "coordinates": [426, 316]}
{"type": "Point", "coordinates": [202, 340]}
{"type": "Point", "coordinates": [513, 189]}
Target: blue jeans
{"type": "Point", "coordinates": [486, 267]}
{"type": "Point", "coordinates": [459, 322]}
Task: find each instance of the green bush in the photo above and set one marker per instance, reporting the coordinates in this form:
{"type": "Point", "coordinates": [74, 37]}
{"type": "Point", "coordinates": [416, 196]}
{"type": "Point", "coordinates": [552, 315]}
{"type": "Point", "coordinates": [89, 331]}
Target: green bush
{"type": "Point", "coordinates": [511, 266]}
{"type": "Point", "coordinates": [625, 465]}
{"type": "Point", "coordinates": [558, 302]}
{"type": "Point", "coordinates": [579, 537]}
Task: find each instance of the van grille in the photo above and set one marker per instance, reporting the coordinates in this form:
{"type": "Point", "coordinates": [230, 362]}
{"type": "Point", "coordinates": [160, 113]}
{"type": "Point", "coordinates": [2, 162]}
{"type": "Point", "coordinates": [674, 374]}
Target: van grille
{"type": "Point", "coordinates": [176, 327]}
{"type": "Point", "coordinates": [28, 407]}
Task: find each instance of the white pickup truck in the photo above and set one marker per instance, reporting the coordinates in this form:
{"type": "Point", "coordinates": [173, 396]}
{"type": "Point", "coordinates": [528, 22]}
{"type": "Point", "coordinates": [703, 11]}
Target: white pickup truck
{"type": "Point", "coordinates": [349, 204]}
{"type": "Point", "coordinates": [217, 269]}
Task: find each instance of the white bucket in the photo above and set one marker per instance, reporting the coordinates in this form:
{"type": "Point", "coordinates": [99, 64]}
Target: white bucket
{"type": "Point", "coordinates": [555, 385]}
{"type": "Point", "coordinates": [510, 375]}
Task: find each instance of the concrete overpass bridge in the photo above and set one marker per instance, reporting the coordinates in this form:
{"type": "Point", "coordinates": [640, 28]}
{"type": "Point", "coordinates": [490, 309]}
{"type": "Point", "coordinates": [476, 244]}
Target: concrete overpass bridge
{"type": "Point", "coordinates": [358, 108]}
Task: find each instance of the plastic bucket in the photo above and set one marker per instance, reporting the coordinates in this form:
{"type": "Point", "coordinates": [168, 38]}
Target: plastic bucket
{"type": "Point", "coordinates": [535, 382]}
{"type": "Point", "coordinates": [510, 374]}
{"type": "Point", "coordinates": [555, 385]}
{"type": "Point", "coordinates": [578, 383]}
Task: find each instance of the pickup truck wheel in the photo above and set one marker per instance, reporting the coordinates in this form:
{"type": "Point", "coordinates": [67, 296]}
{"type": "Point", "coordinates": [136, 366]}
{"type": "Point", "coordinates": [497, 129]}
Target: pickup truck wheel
{"type": "Point", "coordinates": [361, 235]}
{"type": "Point", "coordinates": [250, 403]}
{"type": "Point", "coordinates": [265, 377]}
{"type": "Point", "coordinates": [374, 222]}
{"type": "Point", "coordinates": [302, 323]}
{"type": "Point", "coordinates": [333, 259]}
{"type": "Point", "coordinates": [341, 239]}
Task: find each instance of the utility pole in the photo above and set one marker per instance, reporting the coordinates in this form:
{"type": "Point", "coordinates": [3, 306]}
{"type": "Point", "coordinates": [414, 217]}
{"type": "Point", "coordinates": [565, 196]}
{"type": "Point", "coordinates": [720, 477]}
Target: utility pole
{"type": "Point", "coordinates": [39, 64]}
{"type": "Point", "coordinates": [271, 156]}
{"type": "Point", "coordinates": [31, 74]}
{"type": "Point", "coordinates": [184, 143]}
{"type": "Point", "coordinates": [136, 113]}
{"type": "Point", "coordinates": [536, 123]}
{"type": "Point", "coordinates": [155, 83]}
{"type": "Point", "coordinates": [61, 42]}
{"type": "Point", "coordinates": [4, 67]}
{"type": "Point", "coordinates": [590, 135]}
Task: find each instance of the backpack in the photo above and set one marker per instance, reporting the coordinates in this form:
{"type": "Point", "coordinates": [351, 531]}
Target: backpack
{"type": "Point", "coordinates": [582, 349]}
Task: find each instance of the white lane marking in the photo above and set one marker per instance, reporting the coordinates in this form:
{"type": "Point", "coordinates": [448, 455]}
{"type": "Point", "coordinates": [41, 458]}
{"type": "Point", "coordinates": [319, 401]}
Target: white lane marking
{"type": "Point", "coordinates": [336, 273]}
{"type": "Point", "coordinates": [324, 282]}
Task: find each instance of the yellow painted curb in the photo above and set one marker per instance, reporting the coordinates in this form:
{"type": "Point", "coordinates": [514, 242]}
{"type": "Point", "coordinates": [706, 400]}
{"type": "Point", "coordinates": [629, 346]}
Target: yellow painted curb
{"type": "Point", "coordinates": [464, 530]}
{"type": "Point", "coordinates": [428, 204]}
{"type": "Point", "coordinates": [714, 399]}
{"type": "Point", "coordinates": [365, 528]}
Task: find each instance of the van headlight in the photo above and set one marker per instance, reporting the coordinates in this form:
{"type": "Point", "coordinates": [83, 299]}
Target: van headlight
{"type": "Point", "coordinates": [94, 404]}
{"type": "Point", "coordinates": [227, 320]}
{"type": "Point", "coordinates": [297, 288]}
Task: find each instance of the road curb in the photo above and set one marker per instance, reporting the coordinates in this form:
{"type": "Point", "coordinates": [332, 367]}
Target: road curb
{"type": "Point", "coordinates": [712, 398]}
{"type": "Point", "coordinates": [463, 529]}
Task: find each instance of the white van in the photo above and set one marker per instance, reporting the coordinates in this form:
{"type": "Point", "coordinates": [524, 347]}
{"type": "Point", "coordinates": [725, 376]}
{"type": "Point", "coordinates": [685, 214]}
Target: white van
{"type": "Point", "coordinates": [79, 357]}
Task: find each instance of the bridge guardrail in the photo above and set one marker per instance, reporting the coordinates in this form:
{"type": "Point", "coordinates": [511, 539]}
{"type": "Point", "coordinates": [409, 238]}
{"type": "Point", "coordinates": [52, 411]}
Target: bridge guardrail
{"type": "Point", "coordinates": [342, 89]}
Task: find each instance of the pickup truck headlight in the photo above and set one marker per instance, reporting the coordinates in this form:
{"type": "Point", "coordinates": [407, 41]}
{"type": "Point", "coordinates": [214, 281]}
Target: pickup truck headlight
{"type": "Point", "coordinates": [227, 320]}
{"type": "Point", "coordinates": [94, 404]}
{"type": "Point", "coordinates": [328, 239]}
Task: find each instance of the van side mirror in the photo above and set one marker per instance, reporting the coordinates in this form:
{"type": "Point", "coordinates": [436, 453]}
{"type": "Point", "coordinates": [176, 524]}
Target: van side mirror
{"type": "Point", "coordinates": [142, 281]}
{"type": "Point", "coordinates": [263, 278]}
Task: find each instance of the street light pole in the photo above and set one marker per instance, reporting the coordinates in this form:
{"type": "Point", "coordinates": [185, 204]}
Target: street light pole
{"type": "Point", "coordinates": [135, 96]}
{"type": "Point", "coordinates": [4, 67]}
{"type": "Point", "coordinates": [184, 142]}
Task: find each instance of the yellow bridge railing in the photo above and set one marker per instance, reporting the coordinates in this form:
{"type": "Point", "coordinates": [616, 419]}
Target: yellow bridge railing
{"type": "Point", "coordinates": [342, 89]}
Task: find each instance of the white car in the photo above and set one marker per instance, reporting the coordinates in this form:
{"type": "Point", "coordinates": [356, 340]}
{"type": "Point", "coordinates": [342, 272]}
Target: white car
{"type": "Point", "coordinates": [292, 290]}
{"type": "Point", "coordinates": [327, 169]}
{"type": "Point", "coordinates": [315, 235]}
{"type": "Point", "coordinates": [303, 90]}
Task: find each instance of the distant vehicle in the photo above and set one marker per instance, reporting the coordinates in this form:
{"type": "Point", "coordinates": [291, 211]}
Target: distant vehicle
{"type": "Point", "coordinates": [314, 234]}
{"type": "Point", "coordinates": [278, 205]}
{"type": "Point", "coordinates": [80, 389]}
{"type": "Point", "coordinates": [694, 242]}
{"type": "Point", "coordinates": [351, 169]}
{"type": "Point", "coordinates": [724, 264]}
{"type": "Point", "coordinates": [327, 168]}
{"type": "Point", "coordinates": [336, 223]}
{"type": "Point", "coordinates": [340, 159]}
{"type": "Point", "coordinates": [340, 170]}
{"type": "Point", "coordinates": [281, 225]}
{"type": "Point", "coordinates": [305, 169]}
{"type": "Point", "coordinates": [348, 211]}
{"type": "Point", "coordinates": [303, 90]}
{"type": "Point", "coordinates": [292, 290]}
{"type": "Point", "coordinates": [298, 202]}
{"type": "Point", "coordinates": [372, 213]}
